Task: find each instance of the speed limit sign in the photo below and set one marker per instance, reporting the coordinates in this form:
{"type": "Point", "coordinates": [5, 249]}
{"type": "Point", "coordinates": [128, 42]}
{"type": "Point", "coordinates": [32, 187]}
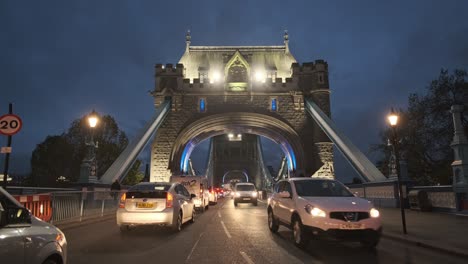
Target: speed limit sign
{"type": "Point", "coordinates": [10, 124]}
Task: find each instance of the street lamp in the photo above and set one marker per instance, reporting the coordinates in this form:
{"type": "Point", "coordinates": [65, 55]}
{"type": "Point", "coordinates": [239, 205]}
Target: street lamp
{"type": "Point", "coordinates": [393, 121]}
{"type": "Point", "coordinates": [88, 172]}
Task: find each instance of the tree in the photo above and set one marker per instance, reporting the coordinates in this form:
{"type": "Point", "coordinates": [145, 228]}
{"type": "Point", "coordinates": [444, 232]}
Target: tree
{"type": "Point", "coordinates": [62, 155]}
{"type": "Point", "coordinates": [50, 160]}
{"type": "Point", "coordinates": [134, 175]}
{"type": "Point", "coordinates": [426, 129]}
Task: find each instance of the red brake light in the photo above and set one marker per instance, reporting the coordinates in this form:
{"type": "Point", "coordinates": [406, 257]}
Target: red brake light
{"type": "Point", "coordinates": [122, 200]}
{"type": "Point", "coordinates": [169, 200]}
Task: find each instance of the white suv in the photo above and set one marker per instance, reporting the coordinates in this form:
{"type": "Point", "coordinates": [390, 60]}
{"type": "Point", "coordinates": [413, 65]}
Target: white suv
{"type": "Point", "coordinates": [322, 208]}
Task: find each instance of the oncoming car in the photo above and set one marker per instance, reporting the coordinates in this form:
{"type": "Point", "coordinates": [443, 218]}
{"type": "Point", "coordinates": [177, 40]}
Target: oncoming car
{"type": "Point", "coordinates": [27, 239]}
{"type": "Point", "coordinates": [245, 193]}
{"type": "Point", "coordinates": [323, 208]}
{"type": "Point", "coordinates": [156, 203]}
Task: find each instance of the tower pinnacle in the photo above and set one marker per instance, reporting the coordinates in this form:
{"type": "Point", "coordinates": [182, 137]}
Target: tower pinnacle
{"type": "Point", "coordinates": [286, 41]}
{"type": "Point", "coordinates": [187, 40]}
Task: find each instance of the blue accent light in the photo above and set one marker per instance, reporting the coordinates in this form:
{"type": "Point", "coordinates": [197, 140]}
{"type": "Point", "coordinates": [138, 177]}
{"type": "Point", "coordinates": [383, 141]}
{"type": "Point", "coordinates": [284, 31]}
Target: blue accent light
{"type": "Point", "coordinates": [202, 105]}
{"type": "Point", "coordinates": [183, 160]}
{"type": "Point", "coordinates": [274, 105]}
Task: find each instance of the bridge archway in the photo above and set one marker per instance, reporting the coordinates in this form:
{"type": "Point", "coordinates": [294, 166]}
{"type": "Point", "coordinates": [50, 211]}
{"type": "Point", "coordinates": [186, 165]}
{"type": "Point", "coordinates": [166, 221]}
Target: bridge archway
{"type": "Point", "coordinates": [235, 175]}
{"type": "Point", "coordinates": [237, 122]}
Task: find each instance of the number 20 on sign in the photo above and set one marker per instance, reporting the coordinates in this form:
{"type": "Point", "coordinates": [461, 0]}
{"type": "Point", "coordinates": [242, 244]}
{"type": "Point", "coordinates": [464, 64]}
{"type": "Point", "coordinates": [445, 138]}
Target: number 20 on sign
{"type": "Point", "coordinates": [10, 124]}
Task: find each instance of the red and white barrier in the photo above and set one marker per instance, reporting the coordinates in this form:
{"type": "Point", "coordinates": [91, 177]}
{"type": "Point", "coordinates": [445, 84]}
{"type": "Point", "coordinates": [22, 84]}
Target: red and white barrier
{"type": "Point", "coordinates": [39, 205]}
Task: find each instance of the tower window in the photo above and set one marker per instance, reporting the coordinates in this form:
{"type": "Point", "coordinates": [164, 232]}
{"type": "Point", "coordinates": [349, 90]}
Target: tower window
{"type": "Point", "coordinates": [274, 104]}
{"type": "Point", "coordinates": [321, 78]}
{"type": "Point", "coordinates": [202, 105]}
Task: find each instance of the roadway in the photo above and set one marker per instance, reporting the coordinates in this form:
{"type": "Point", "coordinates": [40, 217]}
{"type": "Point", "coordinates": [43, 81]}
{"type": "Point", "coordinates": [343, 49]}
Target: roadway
{"type": "Point", "coordinates": [225, 234]}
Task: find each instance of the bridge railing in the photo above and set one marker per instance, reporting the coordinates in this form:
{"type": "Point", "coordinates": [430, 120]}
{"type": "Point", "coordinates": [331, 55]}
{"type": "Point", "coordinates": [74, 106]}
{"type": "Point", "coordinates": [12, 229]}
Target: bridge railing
{"type": "Point", "coordinates": [79, 205]}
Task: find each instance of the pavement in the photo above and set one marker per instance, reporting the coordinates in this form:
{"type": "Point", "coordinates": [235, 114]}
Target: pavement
{"type": "Point", "coordinates": [444, 232]}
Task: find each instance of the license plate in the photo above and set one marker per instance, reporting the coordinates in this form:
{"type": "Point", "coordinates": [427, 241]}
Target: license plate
{"type": "Point", "coordinates": [245, 199]}
{"type": "Point", "coordinates": [351, 226]}
{"type": "Point", "coordinates": [144, 205]}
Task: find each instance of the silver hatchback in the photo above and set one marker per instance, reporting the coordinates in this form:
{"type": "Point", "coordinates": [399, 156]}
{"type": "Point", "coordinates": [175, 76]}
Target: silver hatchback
{"type": "Point", "coordinates": [27, 239]}
{"type": "Point", "coordinates": [156, 203]}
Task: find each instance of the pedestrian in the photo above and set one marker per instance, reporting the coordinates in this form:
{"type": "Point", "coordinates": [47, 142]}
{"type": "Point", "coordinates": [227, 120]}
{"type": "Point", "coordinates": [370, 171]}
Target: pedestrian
{"type": "Point", "coordinates": [115, 189]}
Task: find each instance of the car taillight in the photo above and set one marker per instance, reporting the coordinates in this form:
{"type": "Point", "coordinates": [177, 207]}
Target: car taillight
{"type": "Point", "coordinates": [122, 200]}
{"type": "Point", "coordinates": [169, 200]}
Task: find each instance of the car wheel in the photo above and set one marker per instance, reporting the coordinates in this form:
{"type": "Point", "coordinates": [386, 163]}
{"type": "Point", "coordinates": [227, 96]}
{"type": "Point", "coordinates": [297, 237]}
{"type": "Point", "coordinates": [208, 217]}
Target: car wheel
{"type": "Point", "coordinates": [235, 204]}
{"type": "Point", "coordinates": [272, 222]}
{"type": "Point", "coordinates": [299, 235]}
{"type": "Point", "coordinates": [177, 226]}
{"type": "Point", "coordinates": [192, 220]}
{"type": "Point", "coordinates": [255, 203]}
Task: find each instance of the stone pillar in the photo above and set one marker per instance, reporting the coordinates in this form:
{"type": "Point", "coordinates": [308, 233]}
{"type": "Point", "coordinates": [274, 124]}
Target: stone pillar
{"type": "Point", "coordinates": [460, 149]}
{"type": "Point", "coordinates": [325, 152]}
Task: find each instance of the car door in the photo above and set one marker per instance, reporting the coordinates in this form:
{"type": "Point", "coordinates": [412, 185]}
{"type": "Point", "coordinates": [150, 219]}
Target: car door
{"type": "Point", "coordinates": [190, 203]}
{"type": "Point", "coordinates": [278, 210]}
{"type": "Point", "coordinates": [285, 205]}
{"type": "Point", "coordinates": [12, 242]}
{"type": "Point", "coordinates": [182, 200]}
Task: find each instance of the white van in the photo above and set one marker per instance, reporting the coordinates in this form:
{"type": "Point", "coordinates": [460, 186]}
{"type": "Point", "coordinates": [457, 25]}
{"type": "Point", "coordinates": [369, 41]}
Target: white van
{"type": "Point", "coordinates": [197, 185]}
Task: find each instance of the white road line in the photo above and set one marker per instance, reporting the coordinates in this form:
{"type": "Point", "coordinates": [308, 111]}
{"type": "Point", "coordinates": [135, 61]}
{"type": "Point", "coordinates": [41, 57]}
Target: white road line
{"type": "Point", "coordinates": [262, 201]}
{"type": "Point", "coordinates": [219, 214]}
{"type": "Point", "coordinates": [193, 248]}
{"type": "Point", "coordinates": [246, 257]}
{"type": "Point", "coordinates": [225, 230]}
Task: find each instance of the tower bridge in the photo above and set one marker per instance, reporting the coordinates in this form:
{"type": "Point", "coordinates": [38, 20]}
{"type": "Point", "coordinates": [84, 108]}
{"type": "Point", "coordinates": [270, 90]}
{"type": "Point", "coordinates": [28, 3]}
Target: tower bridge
{"type": "Point", "coordinates": [217, 92]}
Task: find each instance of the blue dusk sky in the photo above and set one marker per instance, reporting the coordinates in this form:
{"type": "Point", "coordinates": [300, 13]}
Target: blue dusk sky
{"type": "Point", "coordinates": [60, 59]}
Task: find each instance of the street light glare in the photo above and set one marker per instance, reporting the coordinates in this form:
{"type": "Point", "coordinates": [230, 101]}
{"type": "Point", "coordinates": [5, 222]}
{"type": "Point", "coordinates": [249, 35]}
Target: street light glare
{"type": "Point", "coordinates": [393, 119]}
{"type": "Point", "coordinates": [230, 135]}
{"type": "Point", "coordinates": [93, 119]}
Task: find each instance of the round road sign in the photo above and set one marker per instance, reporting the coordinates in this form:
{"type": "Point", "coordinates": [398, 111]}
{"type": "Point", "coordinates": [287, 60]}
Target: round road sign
{"type": "Point", "coordinates": [10, 124]}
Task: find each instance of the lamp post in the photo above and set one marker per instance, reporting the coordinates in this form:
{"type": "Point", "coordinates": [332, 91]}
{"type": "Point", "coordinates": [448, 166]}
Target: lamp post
{"type": "Point", "coordinates": [393, 121]}
{"type": "Point", "coordinates": [88, 172]}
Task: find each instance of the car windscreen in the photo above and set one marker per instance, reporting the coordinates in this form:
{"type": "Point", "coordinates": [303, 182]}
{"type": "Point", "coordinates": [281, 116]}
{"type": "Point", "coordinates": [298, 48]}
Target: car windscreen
{"type": "Point", "coordinates": [321, 188]}
{"type": "Point", "coordinates": [148, 191]}
{"type": "Point", "coordinates": [245, 187]}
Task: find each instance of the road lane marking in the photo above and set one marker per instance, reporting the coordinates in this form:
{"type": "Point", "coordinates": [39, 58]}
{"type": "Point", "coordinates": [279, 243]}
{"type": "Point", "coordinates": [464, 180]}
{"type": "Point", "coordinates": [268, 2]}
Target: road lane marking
{"type": "Point", "coordinates": [246, 257]}
{"type": "Point", "coordinates": [225, 230]}
{"type": "Point", "coordinates": [219, 214]}
{"type": "Point", "coordinates": [193, 248]}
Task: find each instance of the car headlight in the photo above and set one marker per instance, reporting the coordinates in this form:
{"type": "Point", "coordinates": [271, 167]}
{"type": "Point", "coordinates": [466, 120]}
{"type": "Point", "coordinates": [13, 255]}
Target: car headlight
{"type": "Point", "coordinates": [315, 211]}
{"type": "Point", "coordinates": [237, 194]}
{"type": "Point", "coordinates": [374, 213]}
{"type": "Point", "coordinates": [254, 194]}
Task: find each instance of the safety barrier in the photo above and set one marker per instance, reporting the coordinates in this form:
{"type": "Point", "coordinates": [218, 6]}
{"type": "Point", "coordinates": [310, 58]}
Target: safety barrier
{"type": "Point", "coordinates": [79, 205]}
{"type": "Point", "coordinates": [40, 205]}
{"type": "Point", "coordinates": [70, 205]}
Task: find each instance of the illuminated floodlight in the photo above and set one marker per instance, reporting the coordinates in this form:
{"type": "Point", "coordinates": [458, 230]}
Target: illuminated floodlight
{"type": "Point", "coordinates": [230, 135]}
{"type": "Point", "coordinates": [215, 77]}
{"type": "Point", "coordinates": [260, 76]}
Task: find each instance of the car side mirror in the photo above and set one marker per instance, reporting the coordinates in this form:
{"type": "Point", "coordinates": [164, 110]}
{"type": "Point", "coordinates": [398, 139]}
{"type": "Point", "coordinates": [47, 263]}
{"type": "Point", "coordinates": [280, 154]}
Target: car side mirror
{"type": "Point", "coordinates": [18, 215]}
{"type": "Point", "coordinates": [284, 194]}
{"type": "Point", "coordinates": [192, 196]}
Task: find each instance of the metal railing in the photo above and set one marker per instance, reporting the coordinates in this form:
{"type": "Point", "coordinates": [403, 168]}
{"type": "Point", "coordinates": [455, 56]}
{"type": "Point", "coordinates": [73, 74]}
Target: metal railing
{"type": "Point", "coordinates": [80, 205]}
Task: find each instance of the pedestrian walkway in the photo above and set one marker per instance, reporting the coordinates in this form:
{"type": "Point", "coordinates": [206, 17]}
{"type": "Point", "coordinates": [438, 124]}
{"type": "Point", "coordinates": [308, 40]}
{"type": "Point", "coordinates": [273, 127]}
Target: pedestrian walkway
{"type": "Point", "coordinates": [442, 231]}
